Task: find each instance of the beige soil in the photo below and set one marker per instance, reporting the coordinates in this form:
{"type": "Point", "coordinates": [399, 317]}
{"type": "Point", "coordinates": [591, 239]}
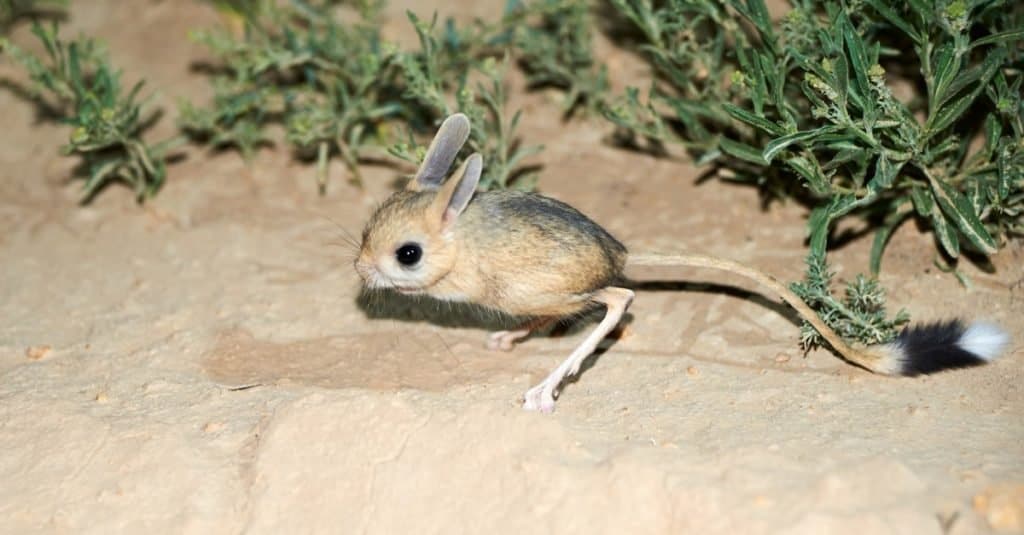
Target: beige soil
{"type": "Point", "coordinates": [210, 368]}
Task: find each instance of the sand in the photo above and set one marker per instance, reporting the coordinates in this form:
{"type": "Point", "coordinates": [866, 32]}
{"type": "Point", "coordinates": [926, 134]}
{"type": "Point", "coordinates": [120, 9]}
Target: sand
{"type": "Point", "coordinates": [204, 364]}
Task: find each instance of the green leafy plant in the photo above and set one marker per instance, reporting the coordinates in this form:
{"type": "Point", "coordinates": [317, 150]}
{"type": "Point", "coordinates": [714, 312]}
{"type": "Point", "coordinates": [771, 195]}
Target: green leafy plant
{"type": "Point", "coordinates": [860, 315]}
{"type": "Point", "coordinates": [106, 122]}
{"type": "Point", "coordinates": [492, 133]}
{"type": "Point", "coordinates": [337, 85]}
{"type": "Point", "coordinates": [862, 108]}
{"type": "Point", "coordinates": [553, 42]}
{"type": "Point", "coordinates": [685, 43]}
{"type": "Point", "coordinates": [13, 10]}
{"type": "Point", "coordinates": [330, 84]}
{"type": "Point", "coordinates": [549, 39]}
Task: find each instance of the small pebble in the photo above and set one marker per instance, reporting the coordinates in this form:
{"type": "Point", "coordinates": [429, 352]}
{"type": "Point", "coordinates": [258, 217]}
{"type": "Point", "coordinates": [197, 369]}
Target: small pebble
{"type": "Point", "coordinates": [914, 410]}
{"type": "Point", "coordinates": [38, 352]}
{"type": "Point", "coordinates": [1002, 506]}
{"type": "Point", "coordinates": [692, 371]}
{"type": "Point", "coordinates": [781, 357]}
{"type": "Point", "coordinates": [102, 397]}
{"type": "Point", "coordinates": [213, 427]}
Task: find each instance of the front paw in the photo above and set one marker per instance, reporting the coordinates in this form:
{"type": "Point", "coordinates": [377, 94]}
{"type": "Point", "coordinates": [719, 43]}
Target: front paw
{"type": "Point", "coordinates": [501, 341]}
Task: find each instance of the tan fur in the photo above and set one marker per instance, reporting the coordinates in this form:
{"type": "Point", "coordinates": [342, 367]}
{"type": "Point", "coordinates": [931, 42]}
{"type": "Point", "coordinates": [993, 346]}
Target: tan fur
{"type": "Point", "coordinates": [388, 229]}
{"type": "Point", "coordinates": [527, 265]}
{"type": "Point", "coordinates": [518, 253]}
{"type": "Point", "coordinates": [495, 255]}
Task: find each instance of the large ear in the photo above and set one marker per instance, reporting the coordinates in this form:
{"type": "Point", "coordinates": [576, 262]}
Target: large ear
{"type": "Point", "coordinates": [442, 151]}
{"type": "Point", "coordinates": [455, 195]}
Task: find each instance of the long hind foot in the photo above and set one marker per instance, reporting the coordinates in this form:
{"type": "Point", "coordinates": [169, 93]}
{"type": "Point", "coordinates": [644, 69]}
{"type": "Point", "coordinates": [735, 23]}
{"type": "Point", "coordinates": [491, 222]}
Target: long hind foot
{"type": "Point", "coordinates": [542, 397]}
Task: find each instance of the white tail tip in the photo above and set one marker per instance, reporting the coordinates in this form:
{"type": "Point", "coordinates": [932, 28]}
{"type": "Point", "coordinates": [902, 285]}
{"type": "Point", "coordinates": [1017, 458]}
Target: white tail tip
{"type": "Point", "coordinates": [985, 340]}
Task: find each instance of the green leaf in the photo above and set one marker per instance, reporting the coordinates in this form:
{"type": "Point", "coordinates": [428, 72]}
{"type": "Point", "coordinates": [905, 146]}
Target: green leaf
{"type": "Point", "coordinates": [946, 65]}
{"type": "Point", "coordinates": [752, 67]}
{"type": "Point", "coordinates": [923, 8]}
{"type": "Point", "coordinates": [885, 174]}
{"type": "Point", "coordinates": [1008, 36]}
{"type": "Point", "coordinates": [818, 226]}
{"type": "Point", "coordinates": [993, 129]}
{"type": "Point", "coordinates": [778, 144]}
{"type": "Point", "coordinates": [74, 69]}
{"type": "Point", "coordinates": [823, 216]}
{"type": "Point", "coordinates": [99, 171]}
{"type": "Point", "coordinates": [741, 150]}
{"type": "Point", "coordinates": [858, 61]}
{"type": "Point", "coordinates": [809, 169]}
{"type": "Point", "coordinates": [819, 182]}
{"type": "Point", "coordinates": [945, 232]}
{"type": "Point", "coordinates": [49, 40]}
{"type": "Point", "coordinates": [884, 9]}
{"type": "Point", "coordinates": [774, 75]}
{"type": "Point", "coordinates": [846, 154]}
{"type": "Point", "coordinates": [959, 209]}
{"type": "Point", "coordinates": [841, 76]}
{"type": "Point", "coordinates": [753, 120]}
{"type": "Point", "coordinates": [922, 200]}
{"type": "Point", "coordinates": [947, 114]}
{"type": "Point", "coordinates": [757, 12]}
{"type": "Point", "coordinates": [983, 72]}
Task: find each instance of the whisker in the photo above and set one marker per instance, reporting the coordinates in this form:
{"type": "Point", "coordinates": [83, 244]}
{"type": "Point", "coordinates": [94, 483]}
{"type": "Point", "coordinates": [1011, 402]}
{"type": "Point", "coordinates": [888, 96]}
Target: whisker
{"type": "Point", "coordinates": [344, 245]}
{"type": "Point", "coordinates": [346, 234]}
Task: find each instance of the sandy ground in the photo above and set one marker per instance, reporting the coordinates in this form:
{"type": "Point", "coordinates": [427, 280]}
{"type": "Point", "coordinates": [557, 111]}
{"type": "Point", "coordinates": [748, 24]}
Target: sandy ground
{"type": "Point", "coordinates": [211, 368]}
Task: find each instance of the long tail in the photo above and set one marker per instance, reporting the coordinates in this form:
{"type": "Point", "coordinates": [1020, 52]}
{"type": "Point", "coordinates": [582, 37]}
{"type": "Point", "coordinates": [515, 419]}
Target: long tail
{"type": "Point", "coordinates": [917, 350]}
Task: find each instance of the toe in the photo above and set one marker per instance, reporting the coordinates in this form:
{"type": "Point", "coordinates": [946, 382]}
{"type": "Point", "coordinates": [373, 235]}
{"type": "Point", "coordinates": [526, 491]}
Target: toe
{"type": "Point", "coordinates": [500, 341]}
{"type": "Point", "coordinates": [532, 399]}
{"type": "Point", "coordinates": [539, 399]}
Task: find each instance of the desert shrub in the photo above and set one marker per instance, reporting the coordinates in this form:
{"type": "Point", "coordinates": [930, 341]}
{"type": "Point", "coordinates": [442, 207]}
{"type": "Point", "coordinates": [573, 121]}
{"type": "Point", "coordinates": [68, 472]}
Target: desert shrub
{"type": "Point", "coordinates": [325, 72]}
{"type": "Point", "coordinates": [321, 71]}
{"type": "Point", "coordinates": [554, 44]}
{"type": "Point", "coordinates": [294, 64]}
{"type": "Point", "coordinates": [78, 83]}
{"type": "Point", "coordinates": [871, 109]}
{"type": "Point", "coordinates": [12, 11]}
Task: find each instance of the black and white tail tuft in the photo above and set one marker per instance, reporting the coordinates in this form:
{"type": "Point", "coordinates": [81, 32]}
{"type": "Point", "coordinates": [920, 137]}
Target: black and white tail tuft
{"type": "Point", "coordinates": [941, 346]}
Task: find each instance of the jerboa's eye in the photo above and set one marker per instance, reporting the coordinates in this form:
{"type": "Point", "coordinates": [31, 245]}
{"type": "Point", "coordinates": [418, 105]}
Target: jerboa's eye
{"type": "Point", "coordinates": [409, 254]}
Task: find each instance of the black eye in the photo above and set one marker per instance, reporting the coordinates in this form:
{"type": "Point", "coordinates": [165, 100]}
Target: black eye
{"type": "Point", "coordinates": [409, 254]}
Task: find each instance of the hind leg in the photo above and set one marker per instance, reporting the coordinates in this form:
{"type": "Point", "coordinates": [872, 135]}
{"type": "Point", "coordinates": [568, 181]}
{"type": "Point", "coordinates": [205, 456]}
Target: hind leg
{"type": "Point", "coordinates": [506, 340]}
{"type": "Point", "coordinates": [542, 396]}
